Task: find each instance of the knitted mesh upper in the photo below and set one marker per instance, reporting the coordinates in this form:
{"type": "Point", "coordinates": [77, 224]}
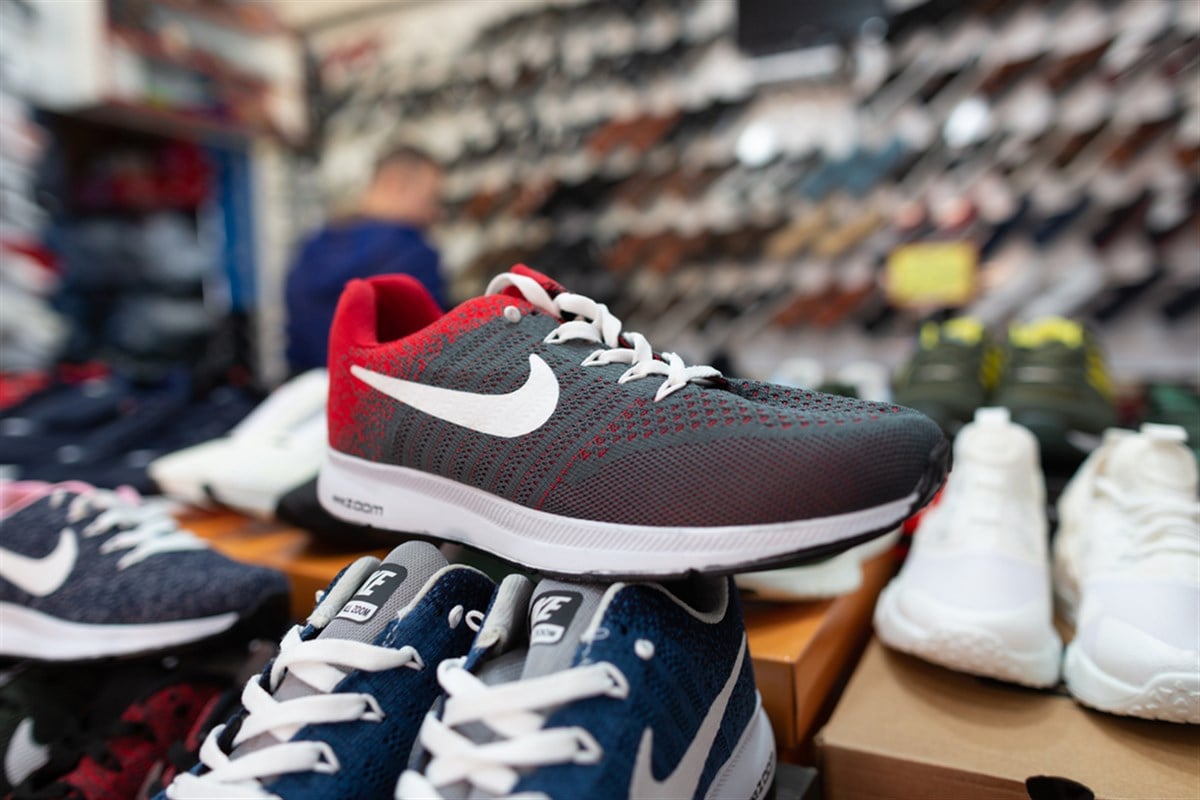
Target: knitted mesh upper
{"type": "Point", "coordinates": [731, 453]}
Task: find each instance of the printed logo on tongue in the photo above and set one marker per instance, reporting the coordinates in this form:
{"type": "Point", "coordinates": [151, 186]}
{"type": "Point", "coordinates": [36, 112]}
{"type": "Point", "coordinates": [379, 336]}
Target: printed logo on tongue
{"type": "Point", "coordinates": [374, 592]}
{"type": "Point", "coordinates": [550, 616]}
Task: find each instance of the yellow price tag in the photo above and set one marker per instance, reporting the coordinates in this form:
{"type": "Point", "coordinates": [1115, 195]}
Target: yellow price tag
{"type": "Point", "coordinates": [926, 274]}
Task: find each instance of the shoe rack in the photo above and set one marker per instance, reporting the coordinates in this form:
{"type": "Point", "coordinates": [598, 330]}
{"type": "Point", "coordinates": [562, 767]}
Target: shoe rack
{"type": "Point", "coordinates": [633, 151]}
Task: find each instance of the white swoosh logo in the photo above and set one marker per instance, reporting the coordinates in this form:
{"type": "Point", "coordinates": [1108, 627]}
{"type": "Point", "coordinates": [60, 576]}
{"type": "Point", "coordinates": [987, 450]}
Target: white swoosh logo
{"type": "Point", "coordinates": [684, 780]}
{"type": "Point", "coordinates": [24, 755]}
{"type": "Point", "coordinates": [507, 415]}
{"type": "Point", "coordinates": [41, 576]}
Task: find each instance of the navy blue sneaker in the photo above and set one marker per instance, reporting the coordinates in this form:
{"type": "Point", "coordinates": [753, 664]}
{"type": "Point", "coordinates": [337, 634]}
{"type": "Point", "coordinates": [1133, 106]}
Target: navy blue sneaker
{"type": "Point", "coordinates": [119, 453]}
{"type": "Point", "coordinates": [58, 416]}
{"type": "Point", "coordinates": [86, 573]}
{"type": "Point", "coordinates": [335, 715]}
{"type": "Point", "coordinates": [588, 692]}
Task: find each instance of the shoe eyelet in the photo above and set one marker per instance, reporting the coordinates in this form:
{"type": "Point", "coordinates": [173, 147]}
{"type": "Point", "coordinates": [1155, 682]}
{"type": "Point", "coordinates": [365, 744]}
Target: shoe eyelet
{"type": "Point", "coordinates": [512, 314]}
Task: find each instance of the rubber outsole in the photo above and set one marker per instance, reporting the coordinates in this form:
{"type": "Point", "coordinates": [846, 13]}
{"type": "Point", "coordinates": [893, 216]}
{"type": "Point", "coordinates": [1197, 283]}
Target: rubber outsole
{"type": "Point", "coordinates": [750, 769]}
{"type": "Point", "coordinates": [973, 650]}
{"type": "Point", "coordinates": [1170, 696]}
{"type": "Point", "coordinates": [28, 634]}
{"type": "Point", "coordinates": [410, 502]}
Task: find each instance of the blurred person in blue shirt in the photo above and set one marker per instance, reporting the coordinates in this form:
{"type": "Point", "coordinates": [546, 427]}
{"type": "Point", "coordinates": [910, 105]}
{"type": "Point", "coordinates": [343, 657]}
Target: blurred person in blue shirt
{"type": "Point", "coordinates": [384, 236]}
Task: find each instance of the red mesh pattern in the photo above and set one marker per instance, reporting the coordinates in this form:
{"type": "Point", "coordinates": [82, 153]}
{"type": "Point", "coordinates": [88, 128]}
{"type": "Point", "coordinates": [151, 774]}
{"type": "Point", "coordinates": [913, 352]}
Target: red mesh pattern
{"type": "Point", "coordinates": [748, 479]}
{"type": "Point", "coordinates": [805, 399]}
{"type": "Point", "coordinates": [169, 714]}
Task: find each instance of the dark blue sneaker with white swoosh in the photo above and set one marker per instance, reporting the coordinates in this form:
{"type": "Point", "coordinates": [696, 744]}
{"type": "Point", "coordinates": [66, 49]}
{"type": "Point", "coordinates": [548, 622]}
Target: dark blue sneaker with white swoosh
{"type": "Point", "coordinates": [528, 423]}
{"type": "Point", "coordinates": [88, 573]}
{"type": "Point", "coordinates": [593, 692]}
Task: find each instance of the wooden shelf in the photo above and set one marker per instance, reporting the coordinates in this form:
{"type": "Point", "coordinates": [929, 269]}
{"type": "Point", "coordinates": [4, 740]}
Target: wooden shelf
{"type": "Point", "coordinates": [167, 122]}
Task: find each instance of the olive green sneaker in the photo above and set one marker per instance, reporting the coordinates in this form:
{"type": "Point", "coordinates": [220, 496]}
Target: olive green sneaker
{"type": "Point", "coordinates": [1176, 405]}
{"type": "Point", "coordinates": [951, 374]}
{"type": "Point", "coordinates": [1055, 382]}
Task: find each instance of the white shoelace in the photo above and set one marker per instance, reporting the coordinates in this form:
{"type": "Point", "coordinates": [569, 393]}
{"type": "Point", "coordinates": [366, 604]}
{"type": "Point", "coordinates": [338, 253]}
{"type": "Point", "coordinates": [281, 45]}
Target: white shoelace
{"type": "Point", "coordinates": [515, 713]}
{"type": "Point", "coordinates": [593, 323]}
{"type": "Point", "coordinates": [319, 663]}
{"type": "Point", "coordinates": [144, 529]}
{"type": "Point", "coordinates": [1161, 523]}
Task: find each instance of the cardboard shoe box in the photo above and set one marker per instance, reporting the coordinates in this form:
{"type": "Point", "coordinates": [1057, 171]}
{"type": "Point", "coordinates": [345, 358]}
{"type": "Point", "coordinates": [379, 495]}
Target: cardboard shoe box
{"type": "Point", "coordinates": [803, 654]}
{"type": "Point", "coordinates": [908, 729]}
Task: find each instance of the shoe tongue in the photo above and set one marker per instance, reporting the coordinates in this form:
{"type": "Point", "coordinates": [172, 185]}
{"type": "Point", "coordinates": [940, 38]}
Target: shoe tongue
{"type": "Point", "coordinates": [392, 586]}
{"type": "Point", "coordinates": [559, 613]}
{"type": "Point", "coordinates": [380, 595]}
{"type": "Point", "coordinates": [551, 286]}
{"type": "Point", "coordinates": [992, 438]}
{"type": "Point", "coordinates": [1156, 461]}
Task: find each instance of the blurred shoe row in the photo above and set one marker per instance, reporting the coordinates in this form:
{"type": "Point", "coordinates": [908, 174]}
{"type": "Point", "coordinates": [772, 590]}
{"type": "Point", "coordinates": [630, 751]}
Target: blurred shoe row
{"type": "Point", "coordinates": [154, 626]}
{"type": "Point", "coordinates": [105, 430]}
{"type": "Point", "coordinates": [976, 592]}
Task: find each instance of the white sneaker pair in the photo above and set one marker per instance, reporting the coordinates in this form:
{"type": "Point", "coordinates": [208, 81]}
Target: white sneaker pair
{"type": "Point", "coordinates": [975, 593]}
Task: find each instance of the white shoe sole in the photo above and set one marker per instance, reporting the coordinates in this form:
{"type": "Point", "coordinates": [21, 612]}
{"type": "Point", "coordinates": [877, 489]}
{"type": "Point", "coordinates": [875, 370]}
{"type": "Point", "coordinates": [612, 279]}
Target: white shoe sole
{"type": "Point", "coordinates": [184, 491]}
{"type": "Point", "coordinates": [410, 501]}
{"type": "Point", "coordinates": [750, 770]}
{"type": "Point", "coordinates": [963, 647]}
{"type": "Point", "coordinates": [26, 633]}
{"type": "Point", "coordinates": [1171, 696]}
{"type": "Point", "coordinates": [840, 575]}
{"type": "Point", "coordinates": [251, 502]}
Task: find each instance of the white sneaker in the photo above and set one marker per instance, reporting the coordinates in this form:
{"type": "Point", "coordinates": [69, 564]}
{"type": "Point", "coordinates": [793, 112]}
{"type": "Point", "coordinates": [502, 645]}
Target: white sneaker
{"type": "Point", "coordinates": [1127, 571]}
{"type": "Point", "coordinates": [257, 473]}
{"type": "Point", "coordinates": [974, 594]}
{"type": "Point", "coordinates": [835, 576]}
{"type": "Point", "coordinates": [261, 458]}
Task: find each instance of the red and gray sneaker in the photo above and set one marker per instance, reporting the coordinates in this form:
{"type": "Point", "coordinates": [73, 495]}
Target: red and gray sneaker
{"type": "Point", "coordinates": [527, 423]}
{"type": "Point", "coordinates": [147, 723]}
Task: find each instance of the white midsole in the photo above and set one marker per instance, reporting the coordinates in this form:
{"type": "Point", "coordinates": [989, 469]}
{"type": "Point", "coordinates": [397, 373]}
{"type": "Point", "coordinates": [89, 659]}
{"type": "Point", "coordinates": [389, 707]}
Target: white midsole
{"type": "Point", "coordinates": [750, 769]}
{"type": "Point", "coordinates": [28, 633]}
{"type": "Point", "coordinates": [1170, 696]}
{"type": "Point", "coordinates": [408, 500]}
{"type": "Point", "coordinates": [956, 644]}
{"type": "Point", "coordinates": [252, 502]}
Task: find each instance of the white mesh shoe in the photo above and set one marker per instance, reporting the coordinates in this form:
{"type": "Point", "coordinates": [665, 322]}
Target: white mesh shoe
{"type": "Point", "coordinates": [974, 594]}
{"type": "Point", "coordinates": [1127, 572]}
